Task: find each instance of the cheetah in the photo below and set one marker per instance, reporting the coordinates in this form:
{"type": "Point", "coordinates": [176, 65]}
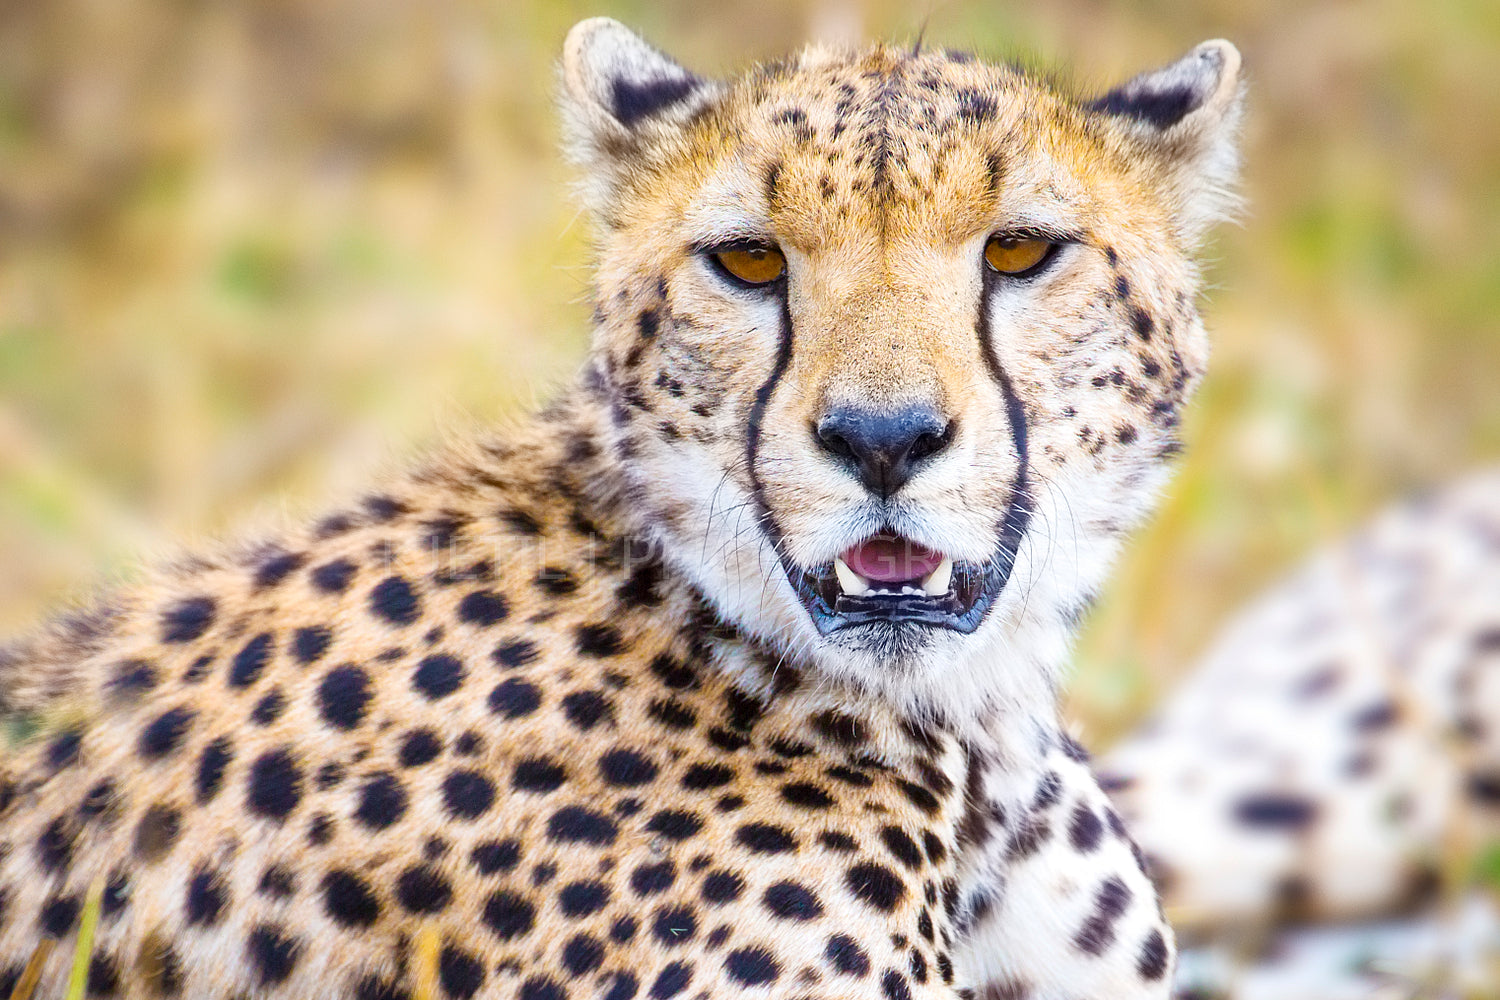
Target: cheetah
{"type": "Point", "coordinates": [733, 671]}
{"type": "Point", "coordinates": [1334, 761]}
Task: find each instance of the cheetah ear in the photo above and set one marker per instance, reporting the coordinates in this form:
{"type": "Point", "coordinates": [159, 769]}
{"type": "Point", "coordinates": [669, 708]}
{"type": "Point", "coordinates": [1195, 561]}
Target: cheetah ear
{"type": "Point", "coordinates": [1186, 116]}
{"type": "Point", "coordinates": [619, 90]}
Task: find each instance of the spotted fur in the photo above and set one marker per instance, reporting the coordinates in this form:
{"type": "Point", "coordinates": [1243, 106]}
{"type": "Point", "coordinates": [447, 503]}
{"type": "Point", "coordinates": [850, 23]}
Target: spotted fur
{"type": "Point", "coordinates": [1335, 758]}
{"type": "Point", "coordinates": [552, 699]}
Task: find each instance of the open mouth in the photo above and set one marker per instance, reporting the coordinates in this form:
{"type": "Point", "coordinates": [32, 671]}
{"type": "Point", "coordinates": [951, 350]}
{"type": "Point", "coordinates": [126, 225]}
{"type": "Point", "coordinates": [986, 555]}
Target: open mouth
{"type": "Point", "coordinates": [888, 578]}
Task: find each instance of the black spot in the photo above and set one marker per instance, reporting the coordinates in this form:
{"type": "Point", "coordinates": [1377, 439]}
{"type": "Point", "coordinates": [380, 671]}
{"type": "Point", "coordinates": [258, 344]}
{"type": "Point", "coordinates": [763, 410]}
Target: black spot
{"type": "Point", "coordinates": [673, 714]}
{"type": "Point", "coordinates": [418, 747]}
{"type": "Point", "coordinates": [508, 914]}
{"type": "Point", "coordinates": [515, 654]}
{"type": "Point", "coordinates": [54, 848]}
{"type": "Point", "coordinates": [899, 843]}
{"type": "Point", "coordinates": [1030, 834]}
{"type": "Point", "coordinates": [836, 841]}
{"type": "Point", "coordinates": [1086, 829]}
{"type": "Point", "coordinates": [383, 508]}
{"type": "Point", "coordinates": [333, 577]}
{"type": "Point", "coordinates": [556, 581]}
{"type": "Point", "coordinates": [792, 901]}
{"type": "Point", "coordinates": [577, 825]}
{"type": "Point", "coordinates": [753, 966]}
{"type": "Point", "coordinates": [893, 985]}
{"type": "Point", "coordinates": [1098, 931]}
{"type": "Point", "coordinates": [1275, 811]}
{"type": "Point", "coordinates": [62, 750]}
{"type": "Point", "coordinates": [744, 711]}
{"type": "Point", "coordinates": [132, 678]}
{"type": "Point", "coordinates": [920, 797]}
{"type": "Point", "coordinates": [347, 898]}
{"type": "Point", "coordinates": [582, 954]}
{"type": "Point", "coordinates": [514, 698]}
{"type": "Point", "coordinates": [846, 956]}
{"type": "Point", "coordinates": [520, 521]}
{"type": "Point", "coordinates": [382, 801]}
{"type": "Point", "coordinates": [157, 831]}
{"type": "Point", "coordinates": [633, 100]}
{"type": "Point", "coordinates": [672, 980]}
{"type": "Point", "coordinates": [343, 695]}
{"type": "Point", "coordinates": [1152, 962]}
{"type": "Point", "coordinates": [722, 887]}
{"type": "Point", "coordinates": [599, 640]}
{"type": "Point", "coordinates": [675, 824]}
{"type": "Point", "coordinates": [273, 953]}
{"type": "Point", "coordinates": [250, 661]}
{"type": "Point", "coordinates": [483, 608]}
{"type": "Point", "coordinates": [422, 889]}
{"type": "Point", "coordinates": [765, 838]}
{"type": "Point", "coordinates": [460, 973]}
{"type": "Point", "coordinates": [579, 899]}
{"type": "Point", "coordinates": [673, 673]}
{"type": "Point", "coordinates": [467, 794]}
{"type": "Point", "coordinates": [492, 856]}
{"type": "Point", "coordinates": [309, 644]}
{"type": "Point", "coordinates": [585, 708]}
{"type": "Point", "coordinates": [116, 894]}
{"type": "Point", "coordinates": [875, 885]}
{"type": "Point", "coordinates": [104, 977]}
{"type": "Point", "coordinates": [275, 785]}
{"type": "Point", "coordinates": [278, 882]}
{"type": "Point", "coordinates": [1381, 715]}
{"type": "Point", "coordinates": [648, 880]}
{"type": "Point", "coordinates": [58, 915]}
{"type": "Point", "coordinates": [849, 776]}
{"type": "Point", "coordinates": [164, 734]}
{"type": "Point", "coordinates": [843, 729]}
{"type": "Point", "coordinates": [437, 676]}
{"type": "Point", "coordinates": [269, 708]}
{"type": "Point", "coordinates": [702, 776]}
{"type": "Point", "coordinates": [674, 925]}
{"type": "Point", "coordinates": [276, 568]}
{"type": "Point", "coordinates": [538, 774]}
{"type": "Point", "coordinates": [393, 600]}
{"type": "Point", "coordinates": [187, 620]}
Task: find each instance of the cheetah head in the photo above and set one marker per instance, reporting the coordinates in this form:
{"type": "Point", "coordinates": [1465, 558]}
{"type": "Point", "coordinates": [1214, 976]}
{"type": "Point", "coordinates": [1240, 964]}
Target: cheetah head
{"type": "Point", "coordinates": [895, 343]}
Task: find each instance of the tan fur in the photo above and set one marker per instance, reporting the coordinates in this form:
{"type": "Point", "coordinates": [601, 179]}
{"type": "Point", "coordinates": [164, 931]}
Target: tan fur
{"type": "Point", "coordinates": [571, 657]}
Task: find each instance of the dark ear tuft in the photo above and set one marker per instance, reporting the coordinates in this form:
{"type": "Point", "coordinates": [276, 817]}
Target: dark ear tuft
{"type": "Point", "coordinates": [1164, 97]}
{"type": "Point", "coordinates": [620, 98]}
{"type": "Point", "coordinates": [1184, 120]}
{"type": "Point", "coordinates": [614, 80]}
{"type": "Point", "coordinates": [637, 99]}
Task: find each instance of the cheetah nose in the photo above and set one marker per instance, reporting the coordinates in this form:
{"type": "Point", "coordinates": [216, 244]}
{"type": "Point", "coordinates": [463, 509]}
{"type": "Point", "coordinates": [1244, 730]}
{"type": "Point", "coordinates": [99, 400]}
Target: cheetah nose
{"type": "Point", "coordinates": [884, 448]}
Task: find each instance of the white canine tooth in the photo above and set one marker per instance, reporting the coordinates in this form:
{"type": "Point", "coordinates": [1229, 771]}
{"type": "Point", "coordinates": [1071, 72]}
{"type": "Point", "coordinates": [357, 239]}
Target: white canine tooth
{"type": "Point", "coordinates": [850, 582]}
{"type": "Point", "coordinates": [936, 584]}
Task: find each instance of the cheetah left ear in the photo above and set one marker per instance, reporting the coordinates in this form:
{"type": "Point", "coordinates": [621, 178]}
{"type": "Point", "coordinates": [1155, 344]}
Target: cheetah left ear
{"type": "Point", "coordinates": [1186, 117]}
{"type": "Point", "coordinates": [619, 92]}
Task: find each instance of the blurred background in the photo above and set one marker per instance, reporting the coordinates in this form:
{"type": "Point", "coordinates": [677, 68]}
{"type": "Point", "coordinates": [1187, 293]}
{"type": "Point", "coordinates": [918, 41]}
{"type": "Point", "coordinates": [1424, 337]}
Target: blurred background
{"type": "Point", "coordinates": [252, 253]}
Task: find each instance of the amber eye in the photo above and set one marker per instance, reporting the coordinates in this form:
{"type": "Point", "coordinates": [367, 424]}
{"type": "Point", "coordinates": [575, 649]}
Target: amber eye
{"type": "Point", "coordinates": [752, 265]}
{"type": "Point", "coordinates": [1016, 254]}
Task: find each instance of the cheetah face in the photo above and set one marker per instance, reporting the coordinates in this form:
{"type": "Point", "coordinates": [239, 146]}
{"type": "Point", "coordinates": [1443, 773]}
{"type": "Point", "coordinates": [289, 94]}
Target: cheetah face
{"type": "Point", "coordinates": [895, 343]}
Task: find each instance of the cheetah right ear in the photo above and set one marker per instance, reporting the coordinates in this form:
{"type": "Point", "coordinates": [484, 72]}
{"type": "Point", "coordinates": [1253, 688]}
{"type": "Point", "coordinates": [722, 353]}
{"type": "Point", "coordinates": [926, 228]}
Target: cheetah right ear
{"type": "Point", "coordinates": [618, 93]}
{"type": "Point", "coordinates": [1186, 118]}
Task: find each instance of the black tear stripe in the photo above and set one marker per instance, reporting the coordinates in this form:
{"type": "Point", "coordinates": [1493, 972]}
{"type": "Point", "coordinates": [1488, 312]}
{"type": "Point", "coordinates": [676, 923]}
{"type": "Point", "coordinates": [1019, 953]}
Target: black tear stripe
{"type": "Point", "coordinates": [1018, 511]}
{"type": "Point", "coordinates": [757, 416]}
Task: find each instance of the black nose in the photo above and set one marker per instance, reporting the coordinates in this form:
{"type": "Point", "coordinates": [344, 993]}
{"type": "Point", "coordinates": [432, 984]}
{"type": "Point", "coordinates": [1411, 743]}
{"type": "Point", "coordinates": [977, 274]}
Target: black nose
{"type": "Point", "coordinates": [884, 447]}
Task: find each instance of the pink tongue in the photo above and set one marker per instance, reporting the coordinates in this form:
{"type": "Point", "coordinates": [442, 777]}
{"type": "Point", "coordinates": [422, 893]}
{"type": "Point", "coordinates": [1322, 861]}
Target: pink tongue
{"type": "Point", "coordinates": [890, 559]}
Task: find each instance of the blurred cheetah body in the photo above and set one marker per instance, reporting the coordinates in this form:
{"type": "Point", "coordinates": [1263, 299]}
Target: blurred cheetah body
{"type": "Point", "coordinates": [579, 702]}
{"type": "Point", "coordinates": [1335, 759]}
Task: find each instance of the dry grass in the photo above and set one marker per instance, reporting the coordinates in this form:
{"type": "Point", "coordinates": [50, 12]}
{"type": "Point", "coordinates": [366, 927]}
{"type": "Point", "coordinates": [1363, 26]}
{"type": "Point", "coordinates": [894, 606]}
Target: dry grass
{"type": "Point", "coordinates": [250, 252]}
